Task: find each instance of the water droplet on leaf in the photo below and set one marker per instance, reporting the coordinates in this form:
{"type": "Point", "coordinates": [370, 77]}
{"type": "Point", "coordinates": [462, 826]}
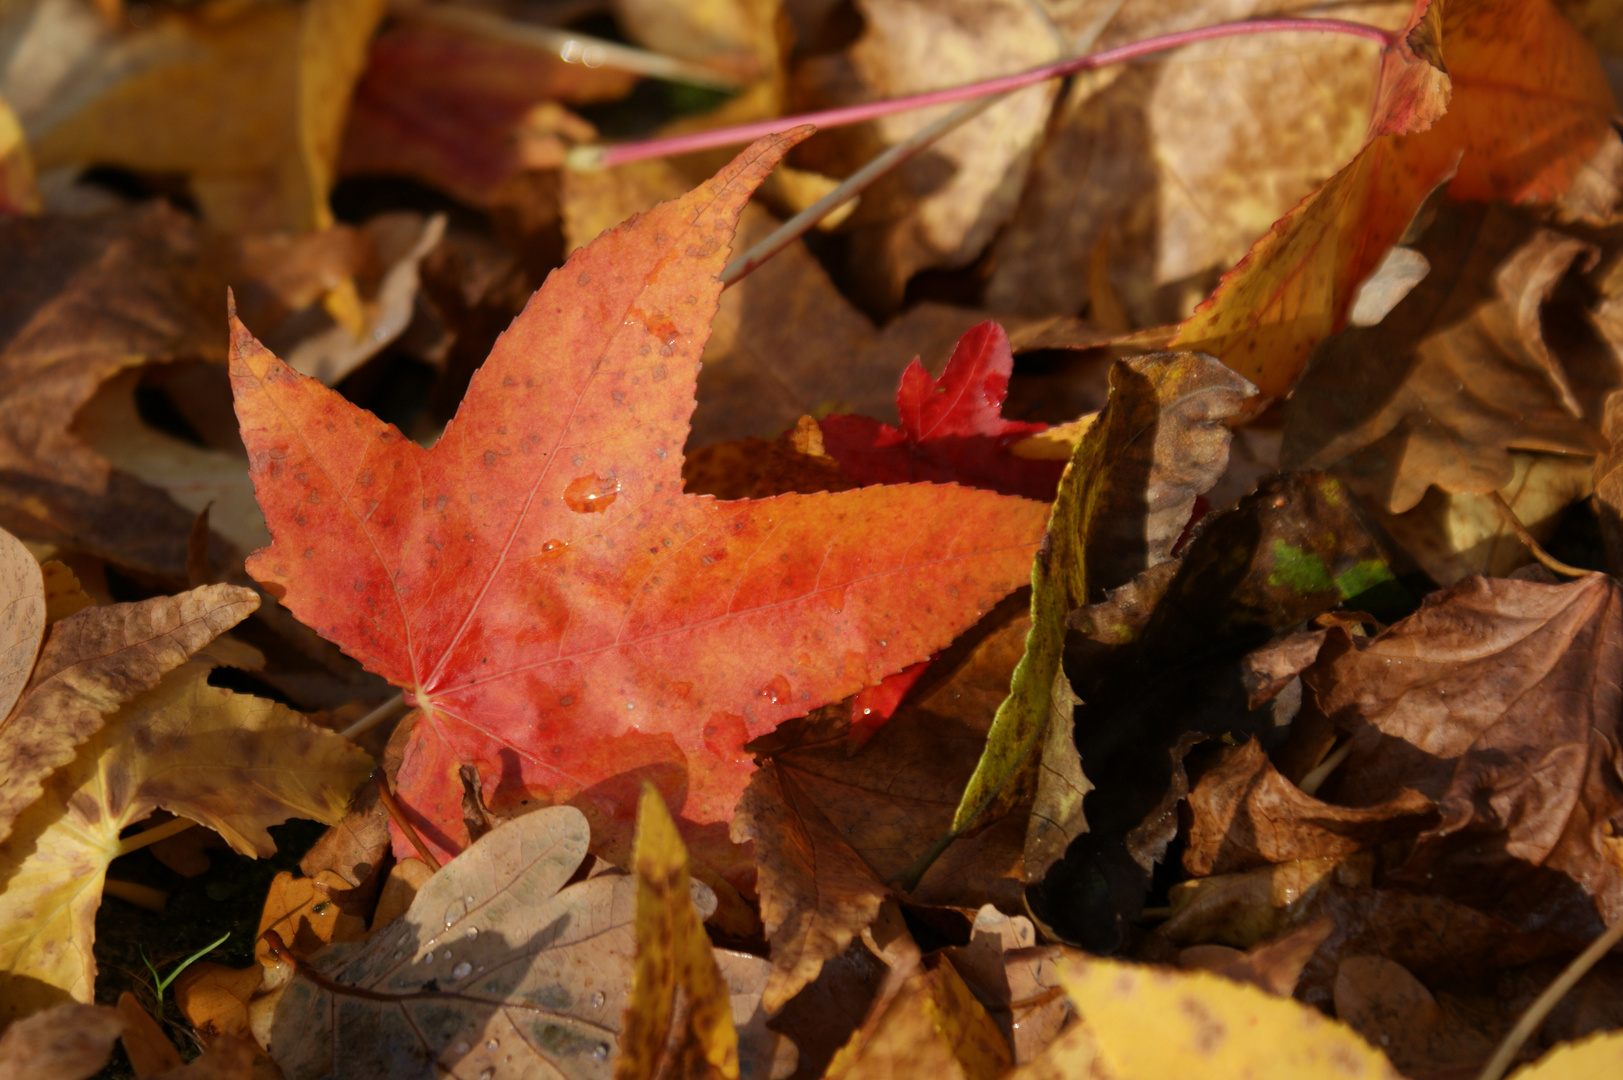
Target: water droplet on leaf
{"type": "Point", "coordinates": [591, 494]}
{"type": "Point", "coordinates": [598, 999]}
{"type": "Point", "coordinates": [776, 691]}
{"type": "Point", "coordinates": [492, 1045]}
{"type": "Point", "coordinates": [462, 970]}
{"type": "Point", "coordinates": [459, 1048]}
{"type": "Point", "coordinates": [473, 932]}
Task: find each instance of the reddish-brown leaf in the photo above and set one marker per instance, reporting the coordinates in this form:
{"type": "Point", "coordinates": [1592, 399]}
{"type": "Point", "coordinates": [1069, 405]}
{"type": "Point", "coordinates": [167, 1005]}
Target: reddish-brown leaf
{"type": "Point", "coordinates": [563, 615]}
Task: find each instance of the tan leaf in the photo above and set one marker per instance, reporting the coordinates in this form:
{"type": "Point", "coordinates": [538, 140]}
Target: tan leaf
{"type": "Point", "coordinates": [1179, 163]}
{"type": "Point", "coordinates": [514, 968]}
{"type": "Point", "coordinates": [23, 610]}
{"type": "Point", "coordinates": [941, 208]}
{"type": "Point", "coordinates": [935, 1027]}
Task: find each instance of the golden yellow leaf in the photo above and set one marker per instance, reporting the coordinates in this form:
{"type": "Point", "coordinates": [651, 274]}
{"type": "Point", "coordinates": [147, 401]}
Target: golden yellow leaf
{"type": "Point", "coordinates": [17, 190]}
{"type": "Point", "coordinates": [229, 761]}
{"type": "Point", "coordinates": [675, 984]}
{"type": "Point", "coordinates": [1150, 1023]}
{"type": "Point", "coordinates": [304, 915]}
{"type": "Point", "coordinates": [1599, 1057]}
{"type": "Point", "coordinates": [64, 595]}
{"type": "Point", "coordinates": [246, 98]}
{"type": "Point", "coordinates": [935, 1028]}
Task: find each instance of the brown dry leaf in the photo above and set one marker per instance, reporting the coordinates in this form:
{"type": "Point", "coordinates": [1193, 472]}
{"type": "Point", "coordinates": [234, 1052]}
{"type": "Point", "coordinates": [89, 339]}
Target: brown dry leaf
{"type": "Point", "coordinates": [1499, 701]}
{"type": "Point", "coordinates": [235, 763]}
{"type": "Point", "coordinates": [1244, 909]}
{"type": "Point", "coordinates": [759, 468]}
{"type": "Point", "coordinates": [1014, 979]}
{"type": "Point", "coordinates": [934, 1027]}
{"type": "Point", "coordinates": [527, 977]}
{"type": "Point", "coordinates": [356, 847]}
{"type": "Point", "coordinates": [149, 1049]}
{"type": "Point", "coordinates": [1457, 375]}
{"type": "Point", "coordinates": [1275, 966]}
{"type": "Point", "coordinates": [1171, 167]}
{"type": "Point", "coordinates": [1387, 1005]}
{"type": "Point", "coordinates": [92, 663]}
{"type": "Point", "coordinates": [1609, 481]}
{"type": "Point", "coordinates": [785, 342]}
{"type": "Point", "coordinates": [895, 796]}
{"type": "Point", "coordinates": [67, 1042]}
{"type": "Point", "coordinates": [816, 892]}
{"type": "Point", "coordinates": [1245, 814]}
{"type": "Point", "coordinates": [246, 100]}
{"type": "Point", "coordinates": [80, 300]}
{"type": "Point", "coordinates": [1455, 534]}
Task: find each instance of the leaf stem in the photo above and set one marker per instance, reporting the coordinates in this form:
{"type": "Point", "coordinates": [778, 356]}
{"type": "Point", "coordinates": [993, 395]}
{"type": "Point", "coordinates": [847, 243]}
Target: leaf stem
{"type": "Point", "coordinates": [1548, 561]}
{"type": "Point", "coordinates": [604, 157]}
{"type": "Point", "coordinates": [374, 718]}
{"type": "Point", "coordinates": [569, 46]}
{"type": "Point", "coordinates": [398, 816]}
{"type": "Point", "coordinates": [1536, 1012]}
{"type": "Point", "coordinates": [153, 835]}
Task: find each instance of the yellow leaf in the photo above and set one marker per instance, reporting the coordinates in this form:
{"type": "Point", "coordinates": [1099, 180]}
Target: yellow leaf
{"type": "Point", "coordinates": [1150, 1023]}
{"type": "Point", "coordinates": [1599, 1057]}
{"type": "Point", "coordinates": [229, 761]}
{"type": "Point", "coordinates": [246, 98]}
{"type": "Point", "coordinates": [935, 1028]}
{"type": "Point", "coordinates": [676, 983]}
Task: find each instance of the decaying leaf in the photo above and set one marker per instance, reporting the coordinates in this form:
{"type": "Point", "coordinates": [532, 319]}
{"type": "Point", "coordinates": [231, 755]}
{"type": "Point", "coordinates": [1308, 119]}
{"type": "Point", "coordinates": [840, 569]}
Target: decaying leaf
{"type": "Point", "coordinates": [1497, 700]}
{"type": "Point", "coordinates": [1457, 375]}
{"type": "Point", "coordinates": [22, 620]}
{"type": "Point", "coordinates": [491, 967]}
{"type": "Point", "coordinates": [1526, 104]}
{"type": "Point", "coordinates": [94, 662]}
{"type": "Point", "coordinates": [934, 1027]}
{"type": "Point", "coordinates": [540, 587]}
{"type": "Point", "coordinates": [229, 761]}
{"type": "Point", "coordinates": [1126, 497]}
{"type": "Point", "coordinates": [942, 207]}
{"type": "Point", "coordinates": [1171, 167]}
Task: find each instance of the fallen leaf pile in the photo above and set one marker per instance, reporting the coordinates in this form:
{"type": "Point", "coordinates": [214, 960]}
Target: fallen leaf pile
{"type": "Point", "coordinates": [1133, 591]}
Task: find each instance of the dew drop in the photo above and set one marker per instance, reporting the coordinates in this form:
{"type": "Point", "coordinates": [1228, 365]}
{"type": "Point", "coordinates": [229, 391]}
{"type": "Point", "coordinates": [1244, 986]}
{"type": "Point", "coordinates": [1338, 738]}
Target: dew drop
{"type": "Point", "coordinates": [454, 911]}
{"type": "Point", "coordinates": [486, 1074]}
{"type": "Point", "coordinates": [598, 999]}
{"type": "Point", "coordinates": [776, 691]}
{"type": "Point", "coordinates": [428, 957]}
{"type": "Point", "coordinates": [473, 932]}
{"type": "Point", "coordinates": [553, 548]}
{"type": "Point", "coordinates": [459, 1048]}
{"type": "Point", "coordinates": [600, 1051]}
{"type": "Point", "coordinates": [591, 494]}
{"type": "Point", "coordinates": [462, 970]}
{"type": "Point", "coordinates": [492, 1046]}
{"type": "Point", "coordinates": [446, 955]}
{"type": "Point", "coordinates": [468, 900]}
{"type": "Point", "coordinates": [397, 954]}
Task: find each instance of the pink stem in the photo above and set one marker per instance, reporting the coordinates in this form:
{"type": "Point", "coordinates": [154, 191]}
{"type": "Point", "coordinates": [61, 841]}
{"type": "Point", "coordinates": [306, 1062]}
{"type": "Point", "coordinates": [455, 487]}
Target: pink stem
{"type": "Point", "coordinates": [856, 114]}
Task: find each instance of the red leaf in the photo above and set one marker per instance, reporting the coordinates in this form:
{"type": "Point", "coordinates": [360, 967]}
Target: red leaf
{"type": "Point", "coordinates": [564, 616]}
{"type": "Point", "coordinates": [873, 705]}
{"type": "Point", "coordinates": [952, 428]}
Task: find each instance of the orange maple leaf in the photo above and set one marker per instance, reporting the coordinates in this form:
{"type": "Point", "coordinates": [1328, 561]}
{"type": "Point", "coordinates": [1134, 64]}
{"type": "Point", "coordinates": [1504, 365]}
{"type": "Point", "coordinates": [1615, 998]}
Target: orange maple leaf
{"type": "Point", "coordinates": [563, 615]}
